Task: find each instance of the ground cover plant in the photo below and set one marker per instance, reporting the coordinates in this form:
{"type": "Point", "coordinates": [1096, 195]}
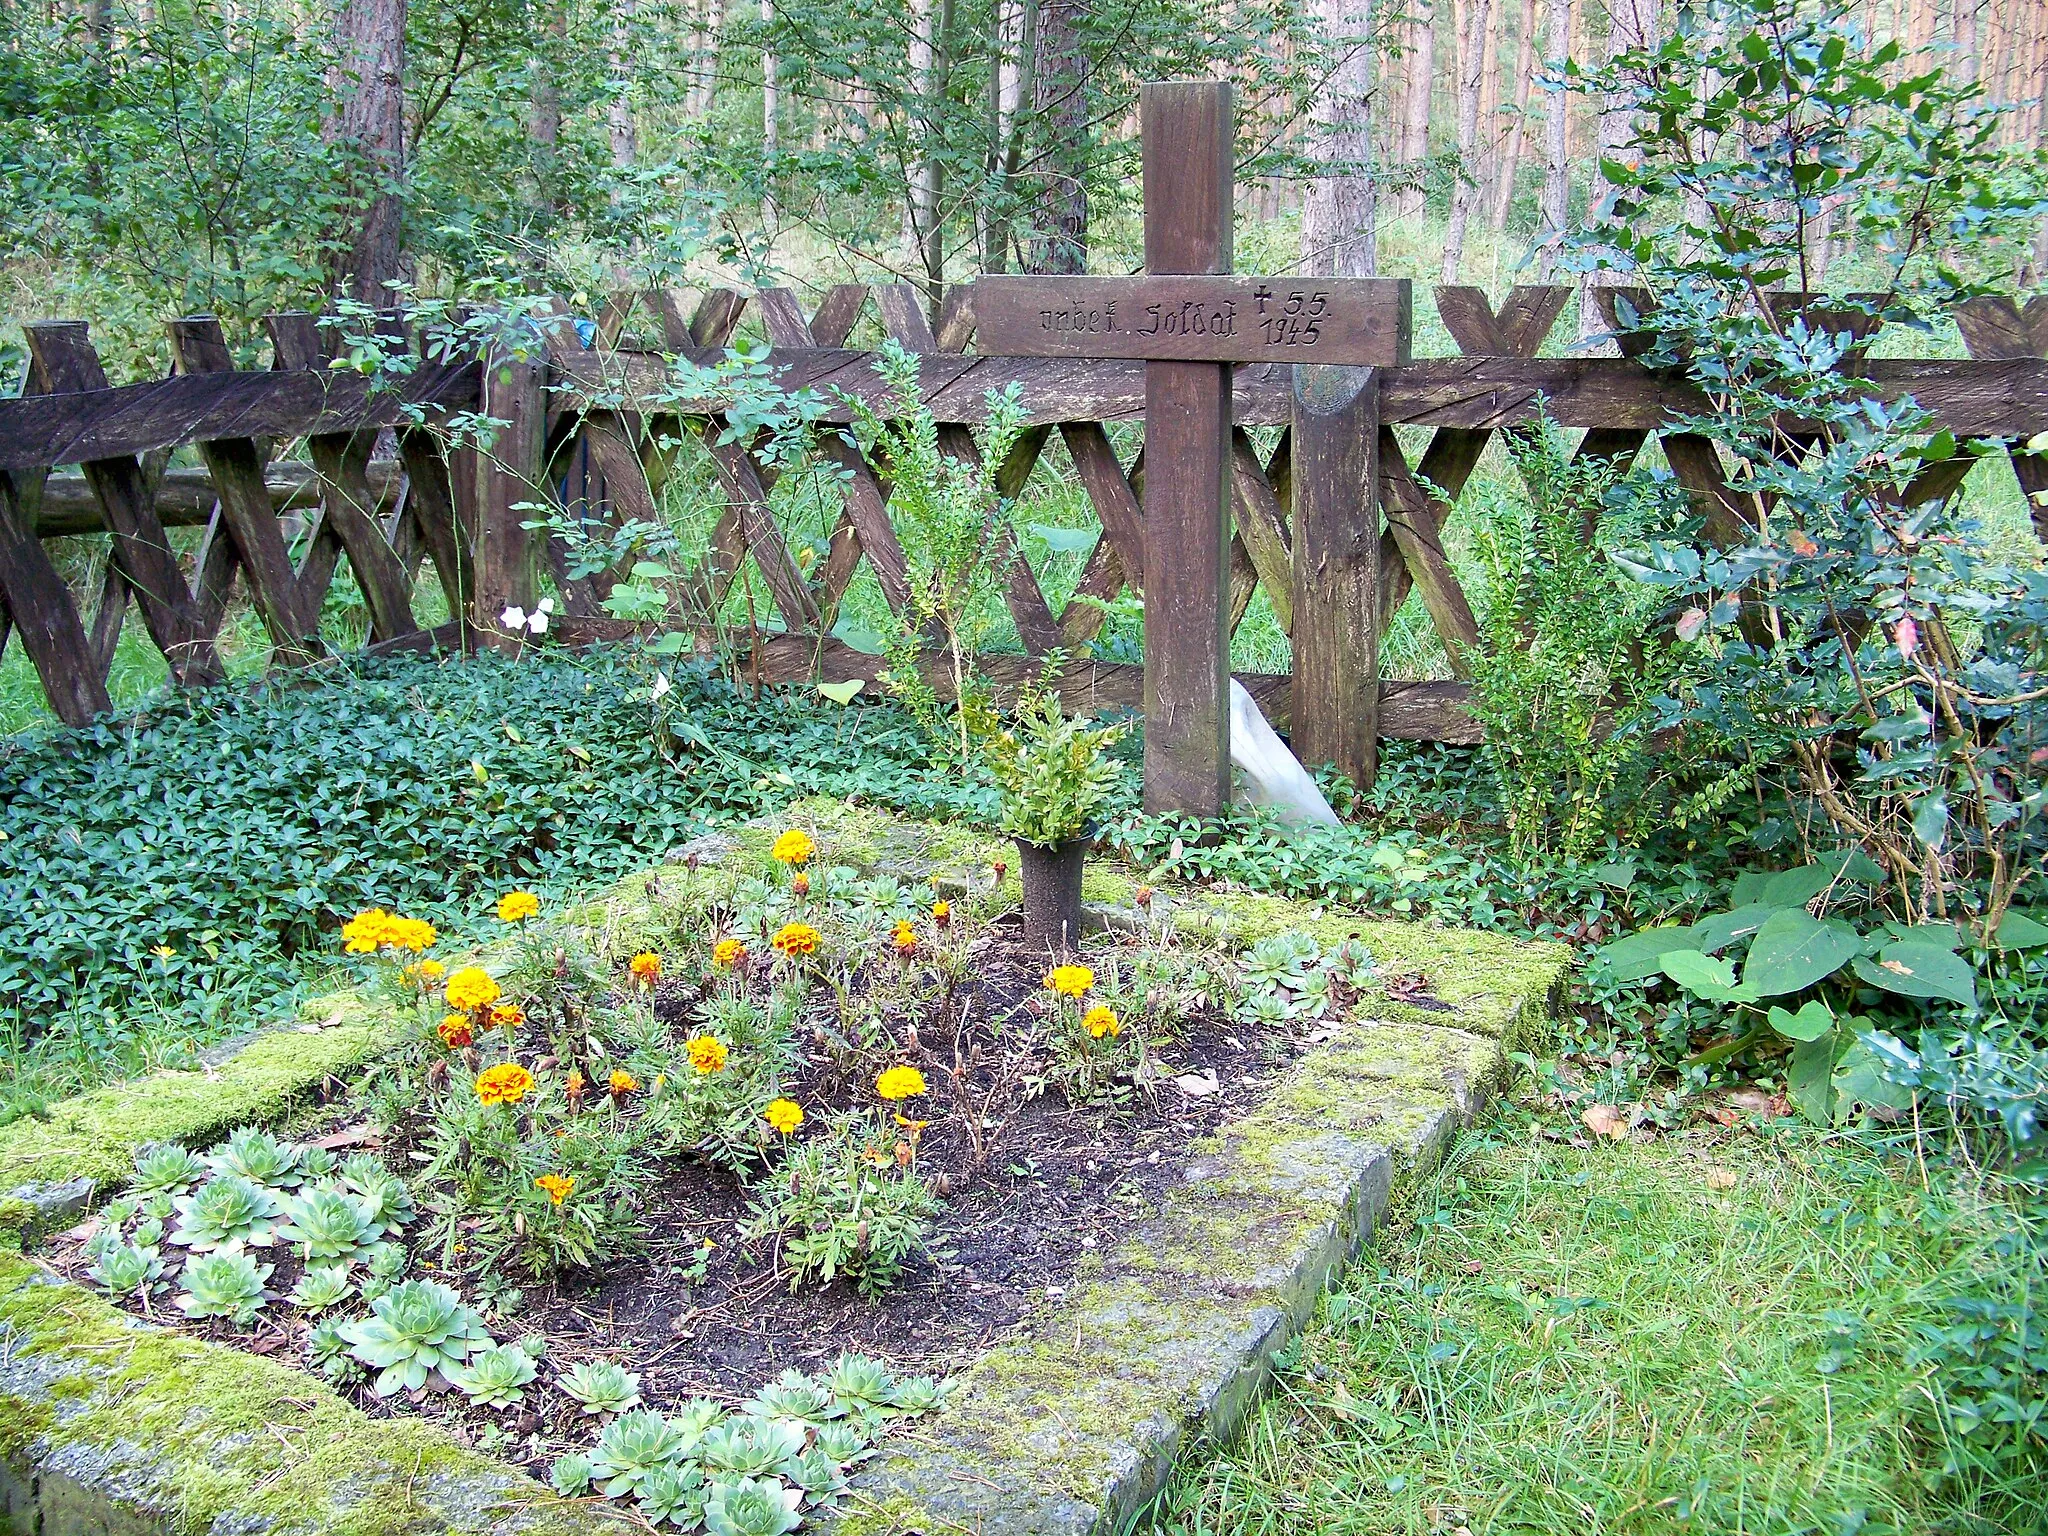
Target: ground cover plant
{"type": "Point", "coordinates": [629, 1173]}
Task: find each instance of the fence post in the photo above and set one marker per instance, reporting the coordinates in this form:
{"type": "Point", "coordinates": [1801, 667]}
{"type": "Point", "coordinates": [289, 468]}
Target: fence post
{"type": "Point", "coordinates": [1186, 134]}
{"type": "Point", "coordinates": [508, 475]}
{"type": "Point", "coordinates": [1336, 433]}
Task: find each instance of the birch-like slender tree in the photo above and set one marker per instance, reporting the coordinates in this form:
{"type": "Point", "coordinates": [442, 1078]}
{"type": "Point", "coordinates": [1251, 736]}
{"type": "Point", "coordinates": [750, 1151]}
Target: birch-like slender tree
{"type": "Point", "coordinates": [1518, 124]}
{"type": "Point", "coordinates": [1557, 164]}
{"type": "Point", "coordinates": [1419, 68]}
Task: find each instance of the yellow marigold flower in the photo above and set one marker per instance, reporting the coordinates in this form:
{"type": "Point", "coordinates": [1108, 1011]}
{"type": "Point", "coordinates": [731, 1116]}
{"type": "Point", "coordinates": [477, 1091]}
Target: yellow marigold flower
{"type": "Point", "coordinates": [517, 906]}
{"type": "Point", "coordinates": [415, 934]}
{"type": "Point", "coordinates": [455, 1031]}
{"type": "Point", "coordinates": [506, 1083]}
{"type": "Point", "coordinates": [164, 952]}
{"type": "Point", "coordinates": [706, 1052]}
{"type": "Point", "coordinates": [425, 973]}
{"type": "Point", "coordinates": [623, 1083]}
{"type": "Point", "coordinates": [646, 968]}
{"type": "Point", "coordinates": [573, 1084]}
{"type": "Point", "coordinates": [557, 1186]}
{"type": "Point", "coordinates": [1100, 1021]}
{"type": "Point", "coordinates": [905, 940]}
{"type": "Point", "coordinates": [727, 953]}
{"type": "Point", "coordinates": [784, 1114]}
{"type": "Point", "coordinates": [366, 931]}
{"type": "Point", "coordinates": [793, 847]}
{"type": "Point", "coordinates": [795, 939]}
{"type": "Point", "coordinates": [900, 1083]}
{"type": "Point", "coordinates": [1069, 980]}
{"type": "Point", "coordinates": [472, 987]}
{"type": "Point", "coordinates": [508, 1017]}
{"type": "Point", "coordinates": [942, 913]}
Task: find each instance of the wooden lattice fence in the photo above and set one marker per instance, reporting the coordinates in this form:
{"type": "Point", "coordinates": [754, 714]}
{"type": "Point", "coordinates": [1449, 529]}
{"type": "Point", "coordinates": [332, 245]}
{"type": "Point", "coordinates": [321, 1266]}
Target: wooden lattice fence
{"type": "Point", "coordinates": [581, 414]}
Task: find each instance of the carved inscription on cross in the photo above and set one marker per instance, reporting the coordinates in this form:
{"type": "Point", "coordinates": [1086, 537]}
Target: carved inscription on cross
{"type": "Point", "coordinates": [1192, 322]}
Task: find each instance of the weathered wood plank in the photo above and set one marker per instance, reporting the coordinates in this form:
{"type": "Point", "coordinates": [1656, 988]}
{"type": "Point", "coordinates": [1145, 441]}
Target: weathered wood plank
{"type": "Point", "coordinates": [235, 465]}
{"type": "Point", "coordinates": [1364, 320]}
{"type": "Point", "coordinates": [1262, 526]}
{"type": "Point", "coordinates": [1115, 503]}
{"type": "Point", "coordinates": [185, 497]}
{"type": "Point", "coordinates": [1419, 539]}
{"type": "Point", "coordinates": [1186, 132]}
{"type": "Point", "coordinates": [43, 612]}
{"type": "Point", "coordinates": [64, 360]}
{"type": "Point", "coordinates": [838, 312]}
{"type": "Point", "coordinates": [431, 496]}
{"type": "Point", "coordinates": [509, 472]}
{"type": "Point", "coordinates": [1336, 476]}
{"type": "Point", "coordinates": [347, 501]}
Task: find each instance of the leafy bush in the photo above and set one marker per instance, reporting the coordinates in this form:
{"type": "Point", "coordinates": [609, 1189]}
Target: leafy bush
{"type": "Point", "coordinates": [842, 1205]}
{"type": "Point", "coordinates": [1561, 678]}
{"type": "Point", "coordinates": [1054, 772]}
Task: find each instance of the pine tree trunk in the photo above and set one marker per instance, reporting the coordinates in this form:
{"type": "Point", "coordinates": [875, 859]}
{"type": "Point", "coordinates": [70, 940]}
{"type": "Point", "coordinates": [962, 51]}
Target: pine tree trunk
{"type": "Point", "coordinates": [1557, 163]}
{"type": "Point", "coordinates": [1518, 130]}
{"type": "Point", "coordinates": [619, 117]}
{"type": "Point", "coordinates": [368, 84]}
{"type": "Point", "coordinates": [1339, 237]}
{"type": "Point", "coordinates": [1967, 66]}
{"type": "Point", "coordinates": [771, 96]}
{"type": "Point", "coordinates": [1471, 43]}
{"type": "Point", "coordinates": [1060, 100]}
{"type": "Point", "coordinates": [1420, 69]}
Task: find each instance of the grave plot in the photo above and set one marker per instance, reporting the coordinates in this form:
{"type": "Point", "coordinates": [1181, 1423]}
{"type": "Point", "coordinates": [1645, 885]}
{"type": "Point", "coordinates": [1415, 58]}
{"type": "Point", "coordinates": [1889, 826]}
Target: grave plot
{"type": "Point", "coordinates": [783, 1184]}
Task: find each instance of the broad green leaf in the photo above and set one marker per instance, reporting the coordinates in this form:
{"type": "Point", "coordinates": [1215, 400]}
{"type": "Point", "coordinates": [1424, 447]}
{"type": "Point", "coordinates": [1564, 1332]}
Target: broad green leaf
{"type": "Point", "coordinates": [1716, 933]}
{"type": "Point", "coordinates": [1859, 1079]}
{"type": "Point", "coordinates": [1809, 1079]}
{"type": "Point", "coordinates": [1796, 887]}
{"type": "Point", "coordinates": [842, 693]}
{"type": "Point", "coordinates": [1704, 976]}
{"type": "Point", "coordinates": [1935, 935]}
{"type": "Point", "coordinates": [1930, 819]}
{"type": "Point", "coordinates": [1811, 1021]}
{"type": "Point", "coordinates": [1794, 950]}
{"type": "Point", "coordinates": [1617, 874]}
{"type": "Point", "coordinates": [1066, 541]}
{"type": "Point", "coordinates": [1913, 969]}
{"type": "Point", "coordinates": [1638, 955]}
{"type": "Point", "coordinates": [2020, 930]}
{"type": "Point", "coordinates": [1749, 887]}
{"type": "Point", "coordinates": [671, 644]}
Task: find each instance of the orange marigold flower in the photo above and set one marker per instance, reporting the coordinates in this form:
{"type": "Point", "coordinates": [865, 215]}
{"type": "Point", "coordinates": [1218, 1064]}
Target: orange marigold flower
{"type": "Point", "coordinates": [472, 987]}
{"type": "Point", "coordinates": [507, 1016]}
{"type": "Point", "coordinates": [784, 1114]}
{"type": "Point", "coordinates": [800, 884]}
{"type": "Point", "coordinates": [794, 847]}
{"type": "Point", "coordinates": [905, 940]}
{"type": "Point", "coordinates": [411, 933]}
{"type": "Point", "coordinates": [455, 1031]}
{"type": "Point", "coordinates": [1069, 980]}
{"type": "Point", "coordinates": [573, 1084]}
{"type": "Point", "coordinates": [900, 1083]}
{"type": "Point", "coordinates": [1100, 1021]}
{"type": "Point", "coordinates": [646, 967]}
{"type": "Point", "coordinates": [506, 1083]}
{"type": "Point", "coordinates": [1144, 895]}
{"type": "Point", "coordinates": [706, 1053]}
{"type": "Point", "coordinates": [517, 906]}
{"type": "Point", "coordinates": [557, 1186]}
{"type": "Point", "coordinates": [623, 1083]}
{"type": "Point", "coordinates": [795, 940]}
{"type": "Point", "coordinates": [727, 953]}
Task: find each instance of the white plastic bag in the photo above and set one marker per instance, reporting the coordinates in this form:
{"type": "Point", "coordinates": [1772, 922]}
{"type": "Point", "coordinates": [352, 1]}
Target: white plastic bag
{"type": "Point", "coordinates": [1270, 775]}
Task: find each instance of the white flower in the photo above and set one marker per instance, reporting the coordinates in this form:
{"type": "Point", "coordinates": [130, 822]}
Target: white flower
{"type": "Point", "coordinates": [661, 684]}
{"type": "Point", "coordinates": [535, 623]}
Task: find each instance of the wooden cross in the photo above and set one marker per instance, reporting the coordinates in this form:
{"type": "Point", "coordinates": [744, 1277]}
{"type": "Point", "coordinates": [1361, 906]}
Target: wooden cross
{"type": "Point", "coordinates": [1191, 322]}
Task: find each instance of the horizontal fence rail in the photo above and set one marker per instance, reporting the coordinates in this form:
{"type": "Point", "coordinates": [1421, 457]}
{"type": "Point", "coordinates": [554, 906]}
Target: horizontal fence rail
{"type": "Point", "coordinates": [580, 415]}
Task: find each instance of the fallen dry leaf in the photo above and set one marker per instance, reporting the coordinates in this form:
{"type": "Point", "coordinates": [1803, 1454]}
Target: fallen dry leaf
{"type": "Point", "coordinates": [1724, 1114]}
{"type": "Point", "coordinates": [1720, 1178]}
{"type": "Point", "coordinates": [1198, 1085]}
{"type": "Point", "coordinates": [1606, 1120]}
{"type": "Point", "coordinates": [362, 1135]}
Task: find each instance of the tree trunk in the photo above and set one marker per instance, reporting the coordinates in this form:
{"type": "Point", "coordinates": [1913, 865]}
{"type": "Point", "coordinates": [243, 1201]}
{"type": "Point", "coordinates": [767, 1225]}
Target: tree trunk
{"type": "Point", "coordinates": [1557, 163]}
{"type": "Point", "coordinates": [546, 119]}
{"type": "Point", "coordinates": [1518, 130]}
{"type": "Point", "coordinates": [1420, 68]}
{"type": "Point", "coordinates": [1968, 67]}
{"type": "Point", "coordinates": [1061, 135]}
{"type": "Point", "coordinates": [1338, 217]}
{"type": "Point", "coordinates": [368, 84]}
{"type": "Point", "coordinates": [1011, 85]}
{"type": "Point", "coordinates": [771, 138]}
{"type": "Point", "coordinates": [1471, 42]}
{"type": "Point", "coordinates": [1631, 24]}
{"type": "Point", "coordinates": [619, 118]}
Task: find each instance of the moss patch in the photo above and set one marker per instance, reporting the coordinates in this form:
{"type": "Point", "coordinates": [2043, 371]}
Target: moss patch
{"type": "Point", "coordinates": [198, 1437]}
{"type": "Point", "coordinates": [96, 1135]}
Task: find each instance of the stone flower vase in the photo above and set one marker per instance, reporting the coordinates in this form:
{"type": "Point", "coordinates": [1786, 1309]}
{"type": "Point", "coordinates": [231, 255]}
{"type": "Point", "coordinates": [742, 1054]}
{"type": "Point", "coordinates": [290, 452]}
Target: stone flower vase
{"type": "Point", "coordinates": [1052, 892]}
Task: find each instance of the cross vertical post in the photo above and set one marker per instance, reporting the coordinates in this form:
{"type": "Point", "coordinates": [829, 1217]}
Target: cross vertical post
{"type": "Point", "coordinates": [1189, 175]}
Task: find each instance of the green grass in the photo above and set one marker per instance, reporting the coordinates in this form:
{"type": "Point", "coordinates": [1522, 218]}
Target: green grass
{"type": "Point", "coordinates": [1712, 1331]}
